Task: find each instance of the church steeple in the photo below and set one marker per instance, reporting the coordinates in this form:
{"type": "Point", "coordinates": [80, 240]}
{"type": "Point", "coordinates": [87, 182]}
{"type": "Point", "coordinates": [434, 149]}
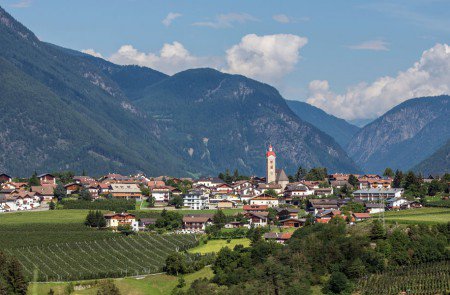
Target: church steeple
{"type": "Point", "coordinates": [270, 163]}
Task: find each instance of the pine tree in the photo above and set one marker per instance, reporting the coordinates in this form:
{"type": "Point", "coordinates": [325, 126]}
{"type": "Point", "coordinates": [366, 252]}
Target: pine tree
{"type": "Point", "coordinates": [398, 179]}
{"type": "Point", "coordinates": [388, 172]}
{"type": "Point", "coordinates": [301, 173]}
{"type": "Point", "coordinates": [16, 278]}
{"type": "Point", "coordinates": [34, 180]}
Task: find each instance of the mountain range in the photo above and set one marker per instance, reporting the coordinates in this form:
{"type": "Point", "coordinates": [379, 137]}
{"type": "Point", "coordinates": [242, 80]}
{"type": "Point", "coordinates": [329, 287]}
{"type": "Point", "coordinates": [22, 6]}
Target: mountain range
{"type": "Point", "coordinates": [69, 110]}
{"type": "Point", "coordinates": [404, 136]}
{"type": "Point", "coordinates": [339, 129]}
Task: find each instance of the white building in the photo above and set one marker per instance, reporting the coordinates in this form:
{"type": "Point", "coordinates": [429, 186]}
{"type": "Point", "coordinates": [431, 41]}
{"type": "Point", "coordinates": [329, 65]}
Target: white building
{"type": "Point", "coordinates": [195, 200]}
{"type": "Point", "coordinates": [264, 199]}
{"type": "Point", "coordinates": [374, 194]}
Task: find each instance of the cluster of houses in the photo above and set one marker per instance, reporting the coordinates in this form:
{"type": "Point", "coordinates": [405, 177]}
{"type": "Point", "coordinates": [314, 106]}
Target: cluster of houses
{"type": "Point", "coordinates": [206, 193]}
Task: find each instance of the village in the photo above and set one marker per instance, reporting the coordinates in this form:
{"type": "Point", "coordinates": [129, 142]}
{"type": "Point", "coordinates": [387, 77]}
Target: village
{"type": "Point", "coordinates": [293, 203]}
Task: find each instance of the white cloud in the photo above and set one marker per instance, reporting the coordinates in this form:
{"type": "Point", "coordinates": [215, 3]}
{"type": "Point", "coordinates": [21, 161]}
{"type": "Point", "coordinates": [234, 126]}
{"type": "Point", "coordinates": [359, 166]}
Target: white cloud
{"type": "Point", "coordinates": [429, 76]}
{"type": "Point", "coordinates": [92, 52]}
{"type": "Point", "coordinates": [281, 18]}
{"type": "Point", "coordinates": [167, 21]}
{"type": "Point", "coordinates": [267, 58]}
{"type": "Point", "coordinates": [22, 4]}
{"type": "Point", "coordinates": [171, 59]}
{"type": "Point", "coordinates": [284, 19]}
{"type": "Point", "coordinates": [226, 20]}
{"type": "Point", "coordinates": [376, 45]}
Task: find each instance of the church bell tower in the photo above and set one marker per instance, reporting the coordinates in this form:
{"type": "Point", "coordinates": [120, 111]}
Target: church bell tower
{"type": "Point", "coordinates": [270, 162]}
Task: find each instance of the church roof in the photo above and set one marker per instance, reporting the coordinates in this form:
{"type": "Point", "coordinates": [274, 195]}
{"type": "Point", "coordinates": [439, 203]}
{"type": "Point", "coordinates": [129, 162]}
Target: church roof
{"type": "Point", "coordinates": [281, 175]}
{"type": "Point", "coordinates": [270, 152]}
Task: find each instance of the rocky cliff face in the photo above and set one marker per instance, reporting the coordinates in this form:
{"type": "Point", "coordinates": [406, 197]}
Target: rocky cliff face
{"type": "Point", "coordinates": [404, 136]}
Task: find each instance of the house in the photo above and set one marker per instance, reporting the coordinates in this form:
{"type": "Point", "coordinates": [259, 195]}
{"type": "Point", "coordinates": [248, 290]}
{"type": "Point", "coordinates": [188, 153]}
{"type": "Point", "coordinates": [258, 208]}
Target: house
{"type": "Point", "coordinates": [236, 224]}
{"type": "Point", "coordinates": [73, 187]}
{"type": "Point", "coordinates": [257, 219]}
{"type": "Point", "coordinates": [255, 208]}
{"type": "Point", "coordinates": [161, 194]}
{"type": "Point", "coordinates": [323, 191]}
{"type": "Point", "coordinates": [83, 179]}
{"type": "Point", "coordinates": [375, 194]}
{"type": "Point", "coordinates": [196, 223]}
{"type": "Point", "coordinates": [47, 179]}
{"type": "Point", "coordinates": [224, 188]}
{"type": "Point", "coordinates": [292, 222]}
{"type": "Point", "coordinates": [277, 237]}
{"type": "Point", "coordinates": [397, 203]}
{"type": "Point", "coordinates": [209, 182]}
{"type": "Point", "coordinates": [315, 205]}
{"type": "Point", "coordinates": [299, 190]}
{"type": "Point", "coordinates": [125, 190]}
{"type": "Point", "coordinates": [374, 208]}
{"type": "Point", "coordinates": [361, 216]}
{"type": "Point", "coordinates": [44, 192]}
{"type": "Point", "coordinates": [145, 222]}
{"type": "Point", "coordinates": [270, 186]}
{"type": "Point", "coordinates": [5, 178]}
{"type": "Point", "coordinates": [226, 204]}
{"type": "Point", "coordinates": [155, 183]}
{"type": "Point", "coordinates": [264, 199]}
{"type": "Point", "coordinates": [366, 183]}
{"type": "Point", "coordinates": [324, 216]}
{"type": "Point", "coordinates": [121, 219]}
{"type": "Point", "coordinates": [195, 200]}
{"type": "Point", "coordinates": [286, 213]}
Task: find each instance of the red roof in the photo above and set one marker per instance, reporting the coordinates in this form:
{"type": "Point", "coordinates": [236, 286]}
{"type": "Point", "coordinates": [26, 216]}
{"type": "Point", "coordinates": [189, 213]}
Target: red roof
{"type": "Point", "coordinates": [361, 215]}
{"type": "Point", "coordinates": [255, 207]}
{"type": "Point", "coordinates": [270, 152]}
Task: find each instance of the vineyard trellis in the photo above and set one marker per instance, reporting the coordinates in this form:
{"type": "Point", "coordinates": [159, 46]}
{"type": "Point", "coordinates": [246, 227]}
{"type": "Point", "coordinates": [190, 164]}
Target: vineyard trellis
{"type": "Point", "coordinates": [422, 279]}
{"type": "Point", "coordinates": [106, 258]}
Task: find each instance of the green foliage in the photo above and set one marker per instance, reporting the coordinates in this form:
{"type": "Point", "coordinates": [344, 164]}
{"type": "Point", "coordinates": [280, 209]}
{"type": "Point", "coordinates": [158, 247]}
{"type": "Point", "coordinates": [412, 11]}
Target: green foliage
{"type": "Point", "coordinates": [353, 180]}
{"type": "Point", "coordinates": [300, 174]}
{"type": "Point", "coordinates": [108, 288]}
{"type": "Point", "coordinates": [52, 205]}
{"type": "Point", "coordinates": [220, 219]}
{"type": "Point", "coordinates": [116, 205]}
{"type": "Point", "coordinates": [353, 207]}
{"type": "Point", "coordinates": [12, 278]}
{"type": "Point", "coordinates": [338, 284]}
{"type": "Point", "coordinates": [378, 231]}
{"type": "Point", "coordinates": [169, 220]}
{"type": "Point", "coordinates": [95, 219]}
{"type": "Point", "coordinates": [85, 194]}
{"type": "Point", "coordinates": [151, 201]}
{"type": "Point", "coordinates": [125, 229]}
{"type": "Point", "coordinates": [60, 192]}
{"type": "Point", "coordinates": [64, 177]}
{"type": "Point", "coordinates": [184, 263]}
{"type": "Point", "coordinates": [34, 180]}
{"type": "Point", "coordinates": [271, 192]}
{"type": "Point", "coordinates": [232, 178]}
{"type": "Point", "coordinates": [398, 179]}
{"type": "Point", "coordinates": [317, 174]}
{"type": "Point", "coordinates": [176, 201]}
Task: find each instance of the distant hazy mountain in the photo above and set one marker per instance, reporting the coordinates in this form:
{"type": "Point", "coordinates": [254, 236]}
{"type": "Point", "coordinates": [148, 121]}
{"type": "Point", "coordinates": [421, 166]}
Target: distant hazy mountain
{"type": "Point", "coordinates": [404, 136]}
{"type": "Point", "coordinates": [62, 109]}
{"type": "Point", "coordinates": [437, 163]}
{"type": "Point", "coordinates": [339, 129]}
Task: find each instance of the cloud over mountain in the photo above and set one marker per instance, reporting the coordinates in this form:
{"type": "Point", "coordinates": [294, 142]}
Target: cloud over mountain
{"type": "Point", "coordinates": [427, 77]}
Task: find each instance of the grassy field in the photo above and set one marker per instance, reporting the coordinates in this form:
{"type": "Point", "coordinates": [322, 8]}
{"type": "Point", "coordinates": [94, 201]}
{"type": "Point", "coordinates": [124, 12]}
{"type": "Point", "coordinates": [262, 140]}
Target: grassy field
{"type": "Point", "coordinates": [43, 217]}
{"type": "Point", "coordinates": [216, 245]}
{"type": "Point", "coordinates": [421, 215]}
{"type": "Point", "coordinates": [150, 285]}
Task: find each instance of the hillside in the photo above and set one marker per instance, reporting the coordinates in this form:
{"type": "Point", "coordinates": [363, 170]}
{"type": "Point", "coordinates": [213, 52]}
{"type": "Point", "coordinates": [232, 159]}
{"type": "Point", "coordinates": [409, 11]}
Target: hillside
{"type": "Point", "coordinates": [437, 163]}
{"type": "Point", "coordinates": [339, 129]}
{"type": "Point", "coordinates": [404, 136]}
{"type": "Point", "coordinates": [69, 110]}
{"type": "Point", "coordinates": [64, 112]}
{"type": "Point", "coordinates": [226, 121]}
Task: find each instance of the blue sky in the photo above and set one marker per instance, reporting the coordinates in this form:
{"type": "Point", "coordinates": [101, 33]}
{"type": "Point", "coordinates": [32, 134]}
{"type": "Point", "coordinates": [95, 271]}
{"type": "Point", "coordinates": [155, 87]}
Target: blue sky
{"type": "Point", "coordinates": [337, 44]}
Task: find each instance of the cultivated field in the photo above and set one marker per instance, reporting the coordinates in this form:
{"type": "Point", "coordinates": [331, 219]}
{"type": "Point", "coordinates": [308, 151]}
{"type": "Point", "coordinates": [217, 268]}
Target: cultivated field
{"type": "Point", "coordinates": [158, 284]}
{"type": "Point", "coordinates": [421, 215]}
{"type": "Point", "coordinates": [429, 278]}
{"type": "Point", "coordinates": [119, 256]}
{"type": "Point", "coordinates": [216, 245]}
